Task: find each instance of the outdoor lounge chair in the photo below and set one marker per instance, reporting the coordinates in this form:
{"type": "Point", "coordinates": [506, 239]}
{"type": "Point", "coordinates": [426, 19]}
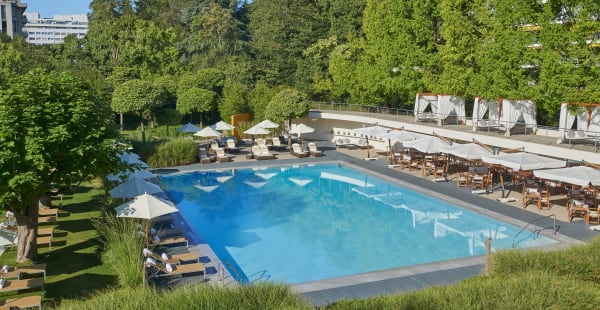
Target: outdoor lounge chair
{"type": "Point", "coordinates": [277, 144]}
{"type": "Point", "coordinates": [170, 270]}
{"type": "Point", "coordinates": [222, 157]}
{"type": "Point", "coordinates": [16, 272]}
{"type": "Point", "coordinates": [169, 241]}
{"type": "Point", "coordinates": [46, 240]}
{"type": "Point", "coordinates": [17, 285]}
{"type": "Point", "coordinates": [312, 149]}
{"type": "Point", "coordinates": [297, 151]}
{"type": "Point", "coordinates": [230, 146]}
{"type": "Point", "coordinates": [48, 212]}
{"type": "Point", "coordinates": [46, 219]}
{"type": "Point", "coordinates": [172, 259]}
{"type": "Point", "coordinates": [261, 153]}
{"type": "Point", "coordinates": [47, 231]}
{"type": "Point", "coordinates": [26, 302]}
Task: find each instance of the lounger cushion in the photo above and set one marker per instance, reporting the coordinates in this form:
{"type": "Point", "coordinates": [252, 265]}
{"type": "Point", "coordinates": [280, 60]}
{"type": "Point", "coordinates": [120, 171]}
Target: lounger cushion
{"type": "Point", "coordinates": [2, 281]}
{"type": "Point", "coordinates": [164, 256]}
{"type": "Point", "coordinates": [169, 267]}
{"type": "Point", "coordinates": [150, 261]}
{"type": "Point", "coordinates": [147, 252]}
{"type": "Point", "coordinates": [5, 269]}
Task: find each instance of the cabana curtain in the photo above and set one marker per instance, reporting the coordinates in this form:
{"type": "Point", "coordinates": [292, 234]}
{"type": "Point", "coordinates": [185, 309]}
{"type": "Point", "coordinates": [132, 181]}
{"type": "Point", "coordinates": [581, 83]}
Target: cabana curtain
{"type": "Point", "coordinates": [514, 110]}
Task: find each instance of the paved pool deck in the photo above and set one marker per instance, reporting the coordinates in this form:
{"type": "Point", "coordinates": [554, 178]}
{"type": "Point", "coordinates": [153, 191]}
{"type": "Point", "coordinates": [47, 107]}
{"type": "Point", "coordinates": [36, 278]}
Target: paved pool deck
{"type": "Point", "coordinates": [406, 279]}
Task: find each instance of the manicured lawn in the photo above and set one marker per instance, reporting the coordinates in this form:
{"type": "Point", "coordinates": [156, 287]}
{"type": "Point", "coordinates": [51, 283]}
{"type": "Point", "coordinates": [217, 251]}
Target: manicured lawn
{"type": "Point", "coordinates": [74, 265]}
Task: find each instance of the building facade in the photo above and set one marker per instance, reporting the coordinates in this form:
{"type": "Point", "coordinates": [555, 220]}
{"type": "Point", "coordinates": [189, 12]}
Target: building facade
{"type": "Point", "coordinates": [11, 17]}
{"type": "Point", "coordinates": [54, 30]}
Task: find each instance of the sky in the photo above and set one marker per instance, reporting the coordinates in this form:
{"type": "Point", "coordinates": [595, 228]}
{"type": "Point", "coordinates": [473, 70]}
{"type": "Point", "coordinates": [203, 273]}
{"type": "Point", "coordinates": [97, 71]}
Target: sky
{"type": "Point", "coordinates": [47, 8]}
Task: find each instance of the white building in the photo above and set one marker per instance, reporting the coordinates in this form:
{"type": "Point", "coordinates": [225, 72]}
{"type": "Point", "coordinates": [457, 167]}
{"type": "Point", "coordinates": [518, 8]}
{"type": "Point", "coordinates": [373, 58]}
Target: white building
{"type": "Point", "coordinates": [54, 30]}
{"type": "Point", "coordinates": [11, 17]}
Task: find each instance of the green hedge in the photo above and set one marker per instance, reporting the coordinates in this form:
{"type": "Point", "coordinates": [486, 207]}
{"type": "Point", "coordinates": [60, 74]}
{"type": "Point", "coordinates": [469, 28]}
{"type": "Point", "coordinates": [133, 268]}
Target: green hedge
{"type": "Point", "coordinates": [176, 152]}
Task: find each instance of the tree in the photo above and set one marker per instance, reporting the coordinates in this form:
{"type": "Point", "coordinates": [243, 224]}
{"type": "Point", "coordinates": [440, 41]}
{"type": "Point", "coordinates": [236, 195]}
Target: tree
{"type": "Point", "coordinates": [139, 97]}
{"type": "Point", "coordinates": [52, 127]}
{"type": "Point", "coordinates": [168, 117]}
{"type": "Point", "coordinates": [196, 99]}
{"type": "Point", "coordinates": [234, 99]}
{"type": "Point", "coordinates": [286, 105]}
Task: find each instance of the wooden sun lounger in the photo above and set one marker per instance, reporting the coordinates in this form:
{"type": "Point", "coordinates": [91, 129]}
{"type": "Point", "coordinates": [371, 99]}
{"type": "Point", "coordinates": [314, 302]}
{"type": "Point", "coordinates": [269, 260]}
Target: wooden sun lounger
{"type": "Point", "coordinates": [171, 241]}
{"type": "Point", "coordinates": [22, 303]}
{"type": "Point", "coordinates": [17, 285]}
{"type": "Point", "coordinates": [179, 269]}
{"type": "Point", "coordinates": [176, 258]}
{"type": "Point", "coordinates": [47, 231]}
{"type": "Point", "coordinates": [46, 219]}
{"type": "Point", "coordinates": [29, 270]}
{"type": "Point", "coordinates": [47, 240]}
{"type": "Point", "coordinates": [48, 212]}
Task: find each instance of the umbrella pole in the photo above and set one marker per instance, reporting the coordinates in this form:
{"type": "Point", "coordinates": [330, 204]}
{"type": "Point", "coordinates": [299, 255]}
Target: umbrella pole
{"type": "Point", "coordinates": [368, 150]}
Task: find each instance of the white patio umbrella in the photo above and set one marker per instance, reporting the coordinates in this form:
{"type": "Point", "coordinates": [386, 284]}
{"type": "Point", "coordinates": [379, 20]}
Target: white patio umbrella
{"type": "Point", "coordinates": [523, 161]}
{"type": "Point", "coordinates": [146, 207]}
{"type": "Point", "coordinates": [469, 151]}
{"type": "Point", "coordinates": [127, 175]}
{"type": "Point", "coordinates": [267, 124]}
{"type": "Point", "coordinates": [221, 126]}
{"type": "Point", "coordinates": [189, 127]}
{"type": "Point", "coordinates": [578, 175]}
{"type": "Point", "coordinates": [207, 132]}
{"type": "Point", "coordinates": [134, 187]}
{"type": "Point", "coordinates": [300, 129]}
{"type": "Point", "coordinates": [428, 145]}
{"type": "Point", "coordinates": [399, 136]}
{"type": "Point", "coordinates": [256, 130]}
{"type": "Point", "coordinates": [371, 131]}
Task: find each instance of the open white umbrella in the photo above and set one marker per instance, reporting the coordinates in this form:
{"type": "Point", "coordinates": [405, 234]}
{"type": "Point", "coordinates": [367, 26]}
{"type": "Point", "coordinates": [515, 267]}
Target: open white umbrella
{"type": "Point", "coordinates": [300, 129]}
{"type": "Point", "coordinates": [523, 161]}
{"type": "Point", "coordinates": [207, 132]}
{"type": "Point", "coordinates": [145, 207]}
{"type": "Point", "coordinates": [267, 124]}
{"type": "Point", "coordinates": [427, 145]}
{"type": "Point", "coordinates": [221, 125]}
{"type": "Point", "coordinates": [127, 175]}
{"type": "Point", "coordinates": [189, 127]}
{"type": "Point", "coordinates": [469, 151]}
{"type": "Point", "coordinates": [371, 131]}
{"type": "Point", "coordinates": [257, 130]}
{"type": "Point", "coordinates": [134, 187]}
{"type": "Point", "coordinates": [578, 175]}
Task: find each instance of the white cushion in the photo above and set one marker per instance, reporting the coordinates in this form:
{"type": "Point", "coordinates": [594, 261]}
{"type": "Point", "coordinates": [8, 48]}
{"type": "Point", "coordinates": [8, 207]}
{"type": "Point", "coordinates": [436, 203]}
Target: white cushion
{"type": "Point", "coordinates": [169, 267]}
{"type": "Point", "coordinates": [156, 239]}
{"type": "Point", "coordinates": [146, 252]}
{"type": "Point", "coordinates": [164, 256]}
{"type": "Point", "coordinates": [150, 261]}
{"type": "Point", "coordinates": [5, 269]}
{"type": "Point", "coordinates": [2, 281]}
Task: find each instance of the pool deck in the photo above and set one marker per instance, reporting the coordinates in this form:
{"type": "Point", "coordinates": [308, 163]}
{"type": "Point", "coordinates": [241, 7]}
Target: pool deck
{"type": "Point", "coordinates": [406, 279]}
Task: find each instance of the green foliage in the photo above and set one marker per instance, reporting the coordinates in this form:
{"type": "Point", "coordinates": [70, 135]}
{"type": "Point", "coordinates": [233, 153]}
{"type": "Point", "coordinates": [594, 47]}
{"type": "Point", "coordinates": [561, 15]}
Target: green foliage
{"type": "Point", "coordinates": [51, 127]}
{"type": "Point", "coordinates": [168, 117]}
{"type": "Point", "coordinates": [256, 296]}
{"type": "Point", "coordinates": [234, 100]}
{"type": "Point", "coordinates": [139, 97]}
{"type": "Point", "coordinates": [286, 105]}
{"type": "Point", "coordinates": [259, 97]}
{"type": "Point", "coordinates": [176, 152]}
{"type": "Point", "coordinates": [123, 245]}
{"type": "Point", "coordinates": [196, 99]}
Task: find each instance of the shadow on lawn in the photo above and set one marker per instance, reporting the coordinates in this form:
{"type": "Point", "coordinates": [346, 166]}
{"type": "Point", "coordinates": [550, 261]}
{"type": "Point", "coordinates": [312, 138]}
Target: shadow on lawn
{"type": "Point", "coordinates": [74, 226]}
{"type": "Point", "coordinates": [81, 286]}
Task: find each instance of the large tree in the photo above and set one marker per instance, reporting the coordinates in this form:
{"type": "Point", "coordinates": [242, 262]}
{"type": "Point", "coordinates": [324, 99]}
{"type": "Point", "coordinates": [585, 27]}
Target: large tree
{"type": "Point", "coordinates": [52, 128]}
{"type": "Point", "coordinates": [287, 105]}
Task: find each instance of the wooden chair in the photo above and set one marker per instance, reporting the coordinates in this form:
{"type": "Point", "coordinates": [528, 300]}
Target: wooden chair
{"type": "Point", "coordinates": [544, 200]}
{"type": "Point", "coordinates": [576, 208]}
{"type": "Point", "coordinates": [17, 272]}
{"type": "Point", "coordinates": [17, 285]}
{"type": "Point", "coordinates": [478, 182]}
{"type": "Point", "coordinates": [462, 179]}
{"type": "Point", "coordinates": [530, 196]}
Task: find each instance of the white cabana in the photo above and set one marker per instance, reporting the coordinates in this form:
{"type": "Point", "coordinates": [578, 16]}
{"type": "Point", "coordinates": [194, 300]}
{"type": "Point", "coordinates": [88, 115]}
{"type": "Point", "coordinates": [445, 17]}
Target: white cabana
{"type": "Point", "coordinates": [518, 111]}
{"type": "Point", "coordinates": [587, 123]}
{"type": "Point", "coordinates": [442, 106]}
{"type": "Point", "coordinates": [480, 107]}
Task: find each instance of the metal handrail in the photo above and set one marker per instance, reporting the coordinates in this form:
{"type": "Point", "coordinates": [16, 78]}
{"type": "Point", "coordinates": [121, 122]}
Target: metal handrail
{"type": "Point", "coordinates": [238, 277]}
{"type": "Point", "coordinates": [536, 231]}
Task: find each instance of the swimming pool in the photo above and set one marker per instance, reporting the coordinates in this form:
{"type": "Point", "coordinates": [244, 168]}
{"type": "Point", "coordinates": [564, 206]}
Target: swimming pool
{"type": "Point", "coordinates": [302, 223]}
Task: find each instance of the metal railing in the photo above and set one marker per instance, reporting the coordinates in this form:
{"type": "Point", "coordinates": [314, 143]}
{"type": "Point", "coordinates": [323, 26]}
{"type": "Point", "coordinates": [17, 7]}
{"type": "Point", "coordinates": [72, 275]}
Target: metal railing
{"type": "Point", "coordinates": [221, 278]}
{"type": "Point", "coordinates": [536, 231]}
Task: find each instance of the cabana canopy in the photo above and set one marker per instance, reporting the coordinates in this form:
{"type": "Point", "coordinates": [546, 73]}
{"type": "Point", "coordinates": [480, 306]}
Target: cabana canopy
{"type": "Point", "coordinates": [588, 122]}
{"type": "Point", "coordinates": [442, 106]}
{"type": "Point", "coordinates": [516, 111]}
{"type": "Point", "coordinates": [480, 107]}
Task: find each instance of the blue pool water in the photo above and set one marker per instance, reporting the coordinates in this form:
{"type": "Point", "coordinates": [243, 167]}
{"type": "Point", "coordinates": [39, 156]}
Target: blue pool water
{"type": "Point", "coordinates": [302, 223]}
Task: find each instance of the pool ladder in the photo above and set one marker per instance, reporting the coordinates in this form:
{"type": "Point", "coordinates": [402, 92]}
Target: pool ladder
{"type": "Point", "coordinates": [536, 231]}
{"type": "Point", "coordinates": [221, 276]}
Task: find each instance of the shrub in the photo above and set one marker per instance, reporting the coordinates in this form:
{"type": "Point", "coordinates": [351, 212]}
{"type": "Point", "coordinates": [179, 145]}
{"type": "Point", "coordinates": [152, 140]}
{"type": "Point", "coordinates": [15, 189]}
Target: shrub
{"type": "Point", "coordinates": [176, 152]}
{"type": "Point", "coordinates": [123, 245]}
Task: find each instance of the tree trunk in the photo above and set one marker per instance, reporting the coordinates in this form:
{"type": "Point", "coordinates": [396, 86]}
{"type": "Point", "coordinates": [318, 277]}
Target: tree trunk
{"type": "Point", "coordinates": [26, 232]}
{"type": "Point", "coordinates": [121, 121]}
{"type": "Point", "coordinates": [289, 134]}
{"type": "Point", "coordinates": [143, 133]}
{"type": "Point", "coordinates": [201, 120]}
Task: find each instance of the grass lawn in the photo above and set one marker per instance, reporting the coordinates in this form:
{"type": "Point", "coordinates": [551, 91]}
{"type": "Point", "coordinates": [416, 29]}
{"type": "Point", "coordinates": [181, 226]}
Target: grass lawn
{"type": "Point", "coordinates": [74, 265]}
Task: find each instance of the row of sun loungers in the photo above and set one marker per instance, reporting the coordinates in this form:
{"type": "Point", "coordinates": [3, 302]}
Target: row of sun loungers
{"type": "Point", "coordinates": [11, 281]}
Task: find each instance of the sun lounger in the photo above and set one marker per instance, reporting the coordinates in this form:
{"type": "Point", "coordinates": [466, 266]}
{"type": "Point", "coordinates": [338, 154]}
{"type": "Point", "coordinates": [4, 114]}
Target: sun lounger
{"type": "Point", "coordinates": [169, 241]}
{"type": "Point", "coordinates": [16, 272]}
{"type": "Point", "coordinates": [231, 148]}
{"type": "Point", "coordinates": [277, 144]}
{"type": "Point", "coordinates": [170, 270]}
{"type": "Point", "coordinates": [46, 240]}
{"type": "Point", "coordinates": [261, 154]}
{"type": "Point", "coordinates": [169, 232]}
{"type": "Point", "coordinates": [46, 219]}
{"type": "Point", "coordinates": [46, 231]}
{"type": "Point", "coordinates": [174, 258]}
{"type": "Point", "coordinates": [22, 303]}
{"type": "Point", "coordinates": [17, 285]}
{"type": "Point", "coordinates": [48, 212]}
{"type": "Point", "coordinates": [312, 149]}
{"type": "Point", "coordinates": [222, 157]}
{"type": "Point", "coordinates": [297, 151]}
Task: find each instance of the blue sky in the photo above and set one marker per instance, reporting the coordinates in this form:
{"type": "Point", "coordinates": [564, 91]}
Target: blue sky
{"type": "Point", "coordinates": [47, 8]}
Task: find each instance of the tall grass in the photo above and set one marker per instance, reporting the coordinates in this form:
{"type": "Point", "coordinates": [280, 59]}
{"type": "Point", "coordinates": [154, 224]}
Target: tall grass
{"type": "Point", "coordinates": [174, 152]}
{"type": "Point", "coordinates": [123, 245]}
{"type": "Point", "coordinates": [258, 296]}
